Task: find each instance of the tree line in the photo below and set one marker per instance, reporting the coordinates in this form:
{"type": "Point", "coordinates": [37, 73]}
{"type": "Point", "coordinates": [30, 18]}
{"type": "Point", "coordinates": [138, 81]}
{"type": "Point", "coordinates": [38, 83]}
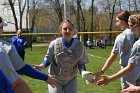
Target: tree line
{"type": "Point", "coordinates": [87, 15]}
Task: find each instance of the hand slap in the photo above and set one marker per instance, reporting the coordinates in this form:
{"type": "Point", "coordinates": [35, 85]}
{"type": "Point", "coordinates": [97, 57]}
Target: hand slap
{"type": "Point", "coordinates": [104, 81]}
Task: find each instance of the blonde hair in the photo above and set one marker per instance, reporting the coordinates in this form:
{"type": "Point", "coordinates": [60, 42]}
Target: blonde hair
{"type": "Point", "coordinates": [134, 20]}
{"type": "Point", "coordinates": [65, 21]}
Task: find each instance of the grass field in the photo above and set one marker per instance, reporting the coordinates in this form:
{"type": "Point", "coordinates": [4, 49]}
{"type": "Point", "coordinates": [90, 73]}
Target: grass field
{"type": "Point", "coordinates": [97, 58]}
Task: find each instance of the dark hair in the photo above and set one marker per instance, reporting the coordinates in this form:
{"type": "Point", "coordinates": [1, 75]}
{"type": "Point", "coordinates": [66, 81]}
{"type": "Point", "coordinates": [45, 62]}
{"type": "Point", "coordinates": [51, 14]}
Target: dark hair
{"type": "Point", "coordinates": [123, 15]}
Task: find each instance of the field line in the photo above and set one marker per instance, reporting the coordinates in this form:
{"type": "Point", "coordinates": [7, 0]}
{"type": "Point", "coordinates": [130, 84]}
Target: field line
{"type": "Point", "coordinates": [97, 56]}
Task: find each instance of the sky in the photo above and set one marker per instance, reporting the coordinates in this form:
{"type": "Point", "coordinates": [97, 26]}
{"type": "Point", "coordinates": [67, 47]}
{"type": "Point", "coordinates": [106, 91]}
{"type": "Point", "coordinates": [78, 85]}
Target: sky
{"type": "Point", "coordinates": [88, 3]}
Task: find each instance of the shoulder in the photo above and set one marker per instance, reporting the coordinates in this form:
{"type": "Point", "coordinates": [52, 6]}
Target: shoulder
{"type": "Point", "coordinates": [137, 44]}
{"type": "Point", "coordinates": [77, 43]}
{"type": "Point", "coordinates": [6, 46]}
{"type": "Point", "coordinates": [120, 37]}
{"type": "Point", "coordinates": [14, 37]}
{"type": "Point", "coordinates": [125, 34]}
{"type": "Point", "coordinates": [53, 43]}
{"type": "Point", "coordinates": [128, 32]}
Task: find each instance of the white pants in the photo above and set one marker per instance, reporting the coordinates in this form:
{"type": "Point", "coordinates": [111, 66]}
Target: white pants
{"type": "Point", "coordinates": [70, 87]}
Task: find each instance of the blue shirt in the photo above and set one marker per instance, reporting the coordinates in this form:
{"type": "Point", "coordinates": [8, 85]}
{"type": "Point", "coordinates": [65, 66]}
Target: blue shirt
{"type": "Point", "coordinates": [5, 85]}
{"type": "Point", "coordinates": [18, 42]}
{"type": "Point", "coordinates": [67, 44]}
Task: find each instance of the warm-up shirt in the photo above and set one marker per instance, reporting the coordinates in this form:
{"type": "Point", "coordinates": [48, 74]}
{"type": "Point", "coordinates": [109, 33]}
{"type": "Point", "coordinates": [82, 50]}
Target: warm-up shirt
{"type": "Point", "coordinates": [18, 42]}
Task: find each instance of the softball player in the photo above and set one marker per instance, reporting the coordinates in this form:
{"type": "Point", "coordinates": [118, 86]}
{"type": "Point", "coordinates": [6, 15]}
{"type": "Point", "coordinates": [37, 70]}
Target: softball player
{"type": "Point", "coordinates": [11, 63]}
{"type": "Point", "coordinates": [133, 62]}
{"type": "Point", "coordinates": [123, 44]}
{"type": "Point", "coordinates": [65, 55]}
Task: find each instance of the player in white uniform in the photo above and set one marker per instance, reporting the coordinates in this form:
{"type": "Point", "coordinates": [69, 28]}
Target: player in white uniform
{"type": "Point", "coordinates": [11, 65]}
{"type": "Point", "coordinates": [134, 59]}
{"type": "Point", "coordinates": [122, 46]}
{"type": "Point", "coordinates": [64, 56]}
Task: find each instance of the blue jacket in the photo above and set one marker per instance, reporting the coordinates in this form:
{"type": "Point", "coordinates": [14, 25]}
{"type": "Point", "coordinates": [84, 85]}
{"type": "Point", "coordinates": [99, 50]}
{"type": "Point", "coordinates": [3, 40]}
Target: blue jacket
{"type": "Point", "coordinates": [18, 42]}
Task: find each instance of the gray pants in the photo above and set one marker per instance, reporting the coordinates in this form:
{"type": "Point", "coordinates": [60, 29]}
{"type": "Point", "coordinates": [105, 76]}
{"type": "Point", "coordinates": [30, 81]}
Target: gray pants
{"type": "Point", "coordinates": [132, 77]}
{"type": "Point", "coordinates": [69, 87]}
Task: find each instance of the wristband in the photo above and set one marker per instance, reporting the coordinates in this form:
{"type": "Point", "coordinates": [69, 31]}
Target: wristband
{"type": "Point", "coordinates": [102, 71]}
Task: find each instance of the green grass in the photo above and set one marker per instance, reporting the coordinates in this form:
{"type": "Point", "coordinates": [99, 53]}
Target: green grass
{"type": "Point", "coordinates": [96, 62]}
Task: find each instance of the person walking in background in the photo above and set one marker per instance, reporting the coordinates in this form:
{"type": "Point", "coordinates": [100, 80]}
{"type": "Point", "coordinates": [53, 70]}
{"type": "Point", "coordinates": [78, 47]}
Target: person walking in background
{"type": "Point", "coordinates": [123, 44]}
{"type": "Point", "coordinates": [133, 66]}
{"type": "Point", "coordinates": [65, 55]}
{"type": "Point", "coordinates": [12, 65]}
{"type": "Point", "coordinates": [19, 42]}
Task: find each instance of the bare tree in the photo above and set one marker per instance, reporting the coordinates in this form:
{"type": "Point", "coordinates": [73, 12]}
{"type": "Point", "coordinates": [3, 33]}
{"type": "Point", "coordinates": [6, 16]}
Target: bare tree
{"type": "Point", "coordinates": [22, 5]}
{"type": "Point", "coordinates": [11, 3]}
{"type": "Point", "coordinates": [92, 5]}
{"type": "Point", "coordinates": [135, 5]}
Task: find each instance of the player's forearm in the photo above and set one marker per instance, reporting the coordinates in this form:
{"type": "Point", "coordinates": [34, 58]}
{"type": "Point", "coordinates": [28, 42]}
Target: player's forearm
{"type": "Point", "coordinates": [20, 86]}
{"type": "Point", "coordinates": [33, 73]}
{"type": "Point", "coordinates": [107, 65]}
{"type": "Point", "coordinates": [122, 72]}
{"type": "Point", "coordinates": [46, 63]}
{"type": "Point", "coordinates": [109, 61]}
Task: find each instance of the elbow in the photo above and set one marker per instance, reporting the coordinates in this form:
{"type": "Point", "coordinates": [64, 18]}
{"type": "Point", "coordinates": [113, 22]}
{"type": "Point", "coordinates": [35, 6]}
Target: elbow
{"type": "Point", "coordinates": [130, 67]}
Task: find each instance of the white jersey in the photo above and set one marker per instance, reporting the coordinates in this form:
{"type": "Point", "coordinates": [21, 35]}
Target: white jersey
{"type": "Point", "coordinates": [10, 61]}
{"type": "Point", "coordinates": [123, 44]}
{"type": "Point", "coordinates": [135, 53]}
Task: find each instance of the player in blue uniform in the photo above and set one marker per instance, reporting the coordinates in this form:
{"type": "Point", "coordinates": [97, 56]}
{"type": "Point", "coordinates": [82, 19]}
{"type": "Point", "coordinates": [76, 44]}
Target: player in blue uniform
{"type": "Point", "coordinates": [19, 42]}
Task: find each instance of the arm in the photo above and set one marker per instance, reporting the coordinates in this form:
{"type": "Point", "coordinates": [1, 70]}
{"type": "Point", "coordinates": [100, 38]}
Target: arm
{"type": "Point", "coordinates": [122, 72]}
{"type": "Point", "coordinates": [14, 39]}
{"type": "Point", "coordinates": [131, 89]}
{"type": "Point", "coordinates": [19, 85]}
{"type": "Point", "coordinates": [34, 73]}
{"type": "Point", "coordinates": [108, 63]}
{"type": "Point", "coordinates": [49, 57]}
{"type": "Point", "coordinates": [43, 65]}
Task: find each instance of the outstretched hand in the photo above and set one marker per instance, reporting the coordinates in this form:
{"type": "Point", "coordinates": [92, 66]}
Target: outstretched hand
{"type": "Point", "coordinates": [39, 67]}
{"type": "Point", "coordinates": [52, 81]}
{"type": "Point", "coordinates": [106, 79]}
{"type": "Point", "coordinates": [131, 89]}
{"type": "Point", "coordinates": [97, 76]}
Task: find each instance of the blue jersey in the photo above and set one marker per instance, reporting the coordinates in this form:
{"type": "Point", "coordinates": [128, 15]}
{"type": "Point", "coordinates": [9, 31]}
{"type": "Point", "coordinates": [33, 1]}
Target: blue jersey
{"type": "Point", "coordinates": [5, 85]}
{"type": "Point", "coordinates": [18, 42]}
